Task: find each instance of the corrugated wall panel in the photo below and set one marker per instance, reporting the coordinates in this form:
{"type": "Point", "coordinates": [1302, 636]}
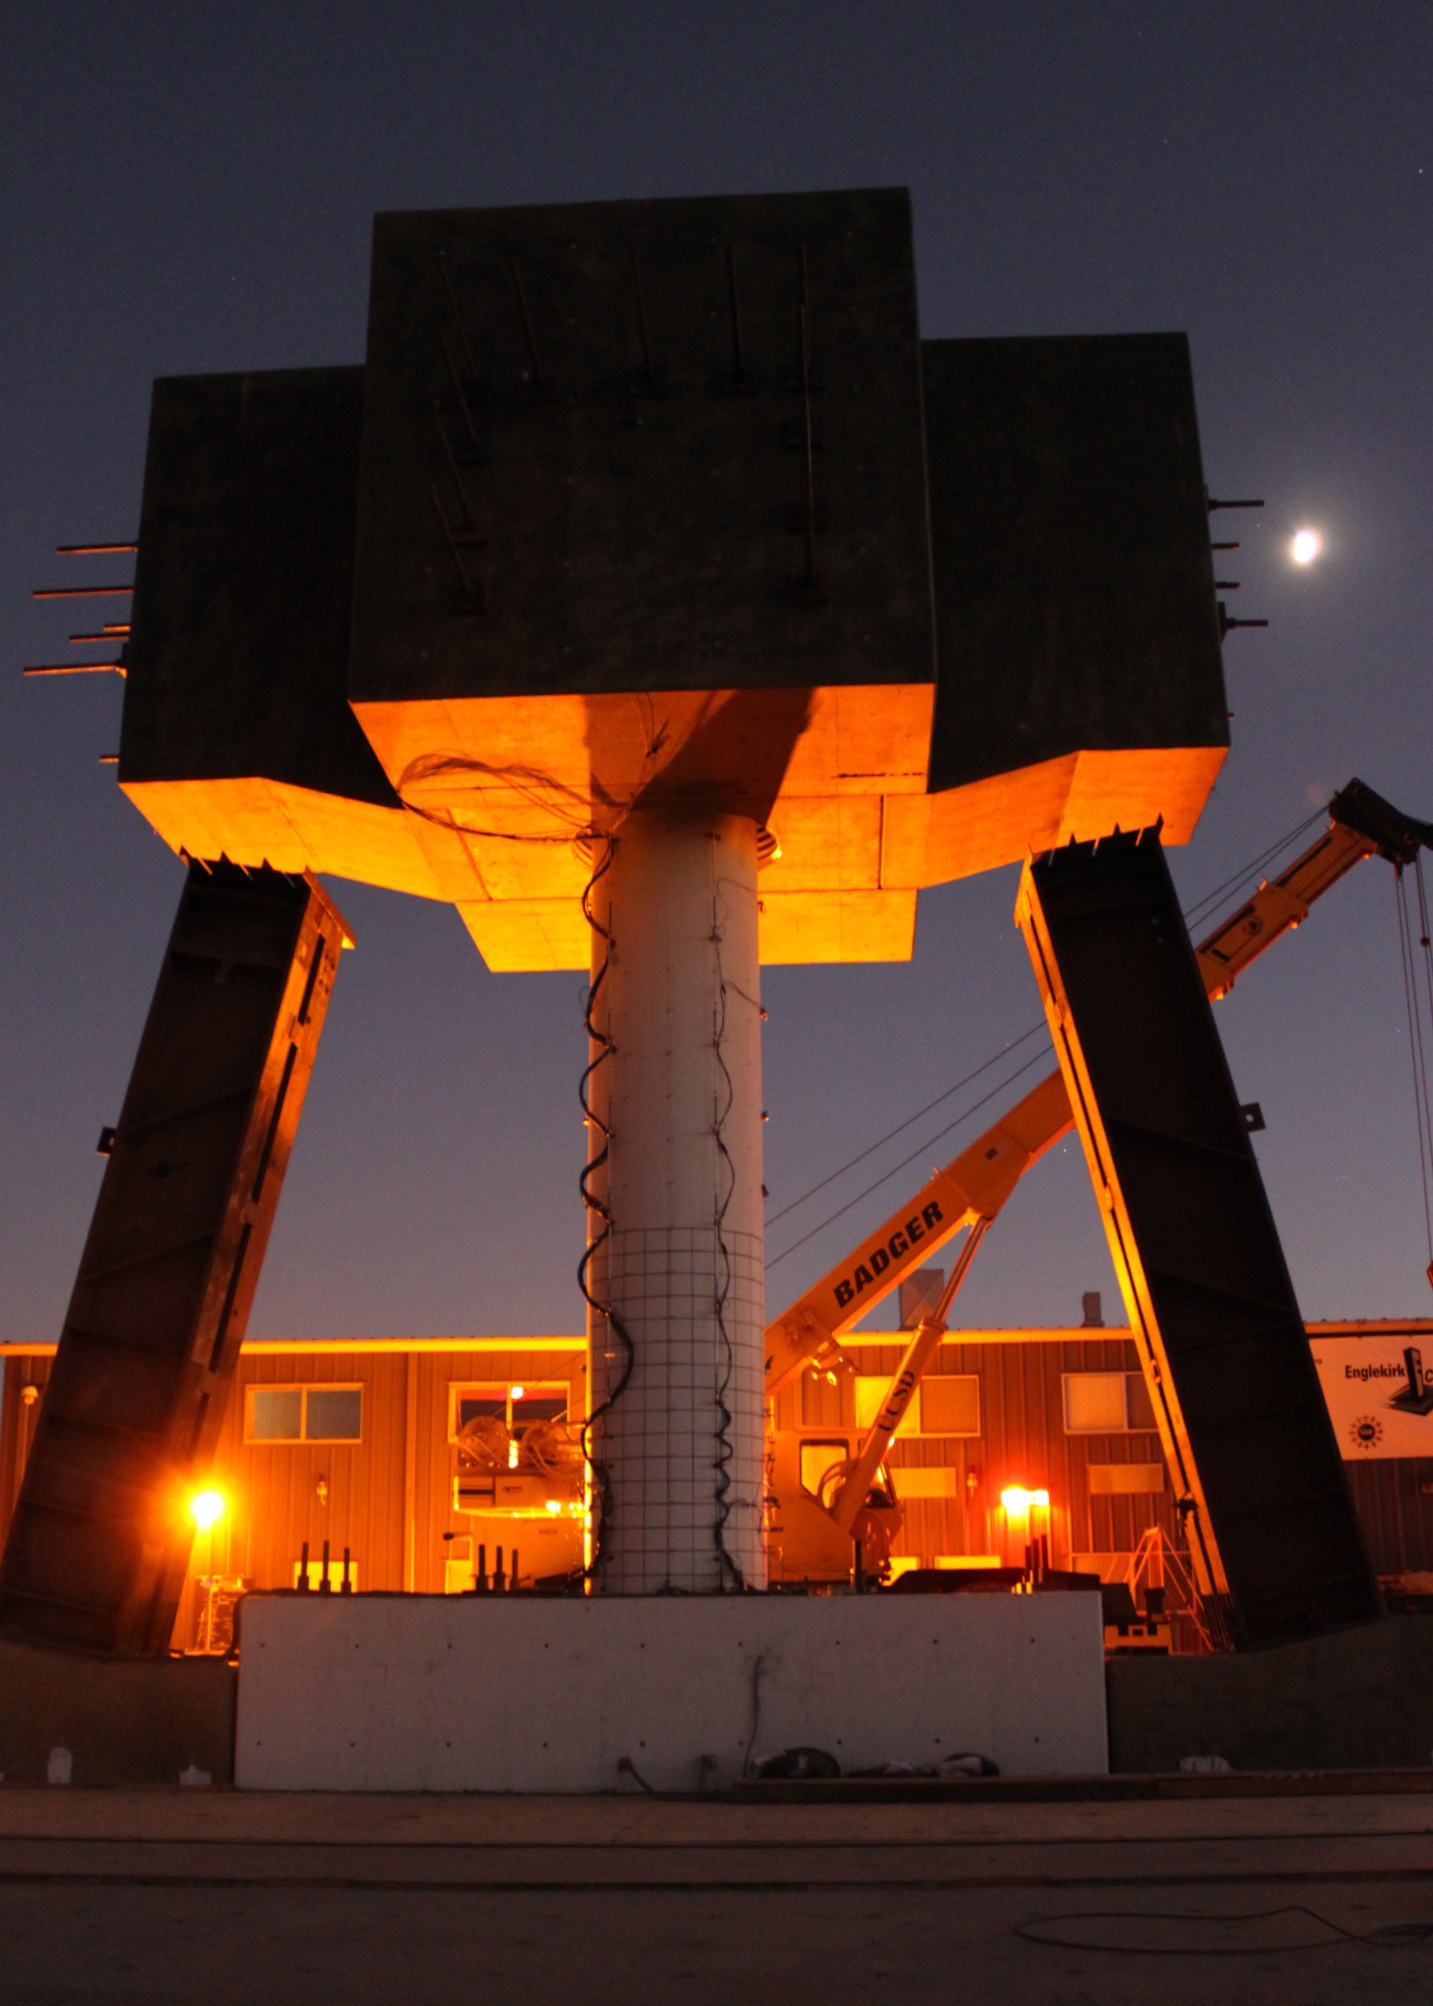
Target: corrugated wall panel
{"type": "Point", "coordinates": [1395, 1504]}
{"type": "Point", "coordinates": [273, 1488]}
{"type": "Point", "coordinates": [17, 1428]}
{"type": "Point", "coordinates": [1023, 1442]}
{"type": "Point", "coordinates": [274, 1504]}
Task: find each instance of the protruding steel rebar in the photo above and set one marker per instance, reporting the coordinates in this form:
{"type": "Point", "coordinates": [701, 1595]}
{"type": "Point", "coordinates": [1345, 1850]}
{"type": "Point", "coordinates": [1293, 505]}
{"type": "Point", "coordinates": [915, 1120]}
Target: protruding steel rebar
{"type": "Point", "coordinates": [460, 323]}
{"type": "Point", "coordinates": [468, 517]}
{"type": "Point", "coordinates": [471, 591]}
{"type": "Point", "coordinates": [458, 392]}
{"type": "Point", "coordinates": [738, 358]}
{"type": "Point", "coordinates": [539, 382]}
{"type": "Point", "coordinates": [72, 668]}
{"type": "Point", "coordinates": [648, 373]}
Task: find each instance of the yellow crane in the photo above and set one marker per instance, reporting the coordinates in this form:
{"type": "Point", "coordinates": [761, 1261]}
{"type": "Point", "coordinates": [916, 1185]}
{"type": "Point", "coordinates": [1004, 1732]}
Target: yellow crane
{"type": "Point", "coordinates": [858, 1501]}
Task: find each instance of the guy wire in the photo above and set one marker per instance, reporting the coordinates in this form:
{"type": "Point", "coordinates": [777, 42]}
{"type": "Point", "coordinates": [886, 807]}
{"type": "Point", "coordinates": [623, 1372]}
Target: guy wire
{"type": "Point", "coordinates": [1418, 1058]}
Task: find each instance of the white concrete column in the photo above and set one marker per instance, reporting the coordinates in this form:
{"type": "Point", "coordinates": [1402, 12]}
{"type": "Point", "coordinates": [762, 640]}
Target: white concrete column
{"type": "Point", "coordinates": [678, 1257]}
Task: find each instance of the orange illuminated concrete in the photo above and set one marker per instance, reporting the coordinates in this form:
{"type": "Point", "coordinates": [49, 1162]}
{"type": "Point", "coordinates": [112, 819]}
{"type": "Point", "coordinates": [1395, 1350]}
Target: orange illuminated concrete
{"type": "Point", "coordinates": [494, 792]}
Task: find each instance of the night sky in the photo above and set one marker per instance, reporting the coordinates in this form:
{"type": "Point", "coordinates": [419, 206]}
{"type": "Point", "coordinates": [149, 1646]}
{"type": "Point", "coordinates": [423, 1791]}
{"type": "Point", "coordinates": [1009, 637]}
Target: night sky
{"type": "Point", "coordinates": [190, 188]}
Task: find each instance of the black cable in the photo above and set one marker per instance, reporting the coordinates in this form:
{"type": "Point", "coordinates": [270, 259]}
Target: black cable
{"type": "Point", "coordinates": [759, 1670]}
{"type": "Point", "coordinates": [730, 1569]}
{"type": "Point", "coordinates": [1194, 914]}
{"type": "Point", "coordinates": [534, 786]}
{"type": "Point", "coordinates": [605, 1310]}
{"type": "Point", "coordinates": [1389, 1938]}
{"type": "Point", "coordinates": [900, 1126]}
{"type": "Point", "coordinates": [1191, 918]}
{"type": "Point", "coordinates": [905, 1162]}
{"type": "Point", "coordinates": [1425, 943]}
{"type": "Point", "coordinates": [1418, 1058]}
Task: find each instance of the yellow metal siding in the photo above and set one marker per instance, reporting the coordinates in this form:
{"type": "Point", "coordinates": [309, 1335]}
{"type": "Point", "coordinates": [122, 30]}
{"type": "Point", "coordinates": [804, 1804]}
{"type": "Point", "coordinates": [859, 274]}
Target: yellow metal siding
{"type": "Point", "coordinates": [271, 1489]}
{"type": "Point", "coordinates": [1023, 1442]}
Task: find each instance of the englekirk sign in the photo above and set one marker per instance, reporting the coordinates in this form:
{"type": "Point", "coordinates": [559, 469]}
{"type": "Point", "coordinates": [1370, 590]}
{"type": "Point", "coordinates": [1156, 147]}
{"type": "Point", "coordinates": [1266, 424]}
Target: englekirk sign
{"type": "Point", "coordinates": [1378, 1382]}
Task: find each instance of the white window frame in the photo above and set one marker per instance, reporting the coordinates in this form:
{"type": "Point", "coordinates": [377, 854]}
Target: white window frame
{"type": "Point", "coordinates": [303, 1440]}
{"type": "Point", "coordinates": [487, 1389]}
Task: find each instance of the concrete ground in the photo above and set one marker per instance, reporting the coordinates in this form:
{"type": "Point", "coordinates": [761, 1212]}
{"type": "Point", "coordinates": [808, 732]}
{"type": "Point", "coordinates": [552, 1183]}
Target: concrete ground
{"type": "Point", "coordinates": [157, 1896]}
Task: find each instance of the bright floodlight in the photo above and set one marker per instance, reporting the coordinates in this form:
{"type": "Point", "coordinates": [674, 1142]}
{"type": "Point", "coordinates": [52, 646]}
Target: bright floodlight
{"type": "Point", "coordinates": [1306, 546]}
{"type": "Point", "coordinates": [1017, 1500]}
{"type": "Point", "coordinates": [206, 1508]}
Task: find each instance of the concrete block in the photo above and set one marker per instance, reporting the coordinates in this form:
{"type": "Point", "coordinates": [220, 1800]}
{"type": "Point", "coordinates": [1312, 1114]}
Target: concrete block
{"type": "Point", "coordinates": [1358, 1699]}
{"type": "Point", "coordinates": [66, 1717]}
{"type": "Point", "coordinates": [238, 659]}
{"type": "Point", "coordinates": [1074, 584]}
{"type": "Point", "coordinates": [529, 1694]}
{"type": "Point", "coordinates": [564, 379]}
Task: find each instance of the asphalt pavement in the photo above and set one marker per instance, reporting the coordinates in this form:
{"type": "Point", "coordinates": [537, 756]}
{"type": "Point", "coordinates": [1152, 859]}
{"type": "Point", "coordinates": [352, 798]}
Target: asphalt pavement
{"type": "Point", "coordinates": [224, 1897]}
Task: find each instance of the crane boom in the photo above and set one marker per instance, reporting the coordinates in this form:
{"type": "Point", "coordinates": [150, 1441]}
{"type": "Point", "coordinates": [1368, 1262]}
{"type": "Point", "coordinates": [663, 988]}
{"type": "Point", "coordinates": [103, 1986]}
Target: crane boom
{"type": "Point", "coordinates": [977, 1183]}
{"type": "Point", "coordinates": [973, 1186]}
{"type": "Point", "coordinates": [1362, 824]}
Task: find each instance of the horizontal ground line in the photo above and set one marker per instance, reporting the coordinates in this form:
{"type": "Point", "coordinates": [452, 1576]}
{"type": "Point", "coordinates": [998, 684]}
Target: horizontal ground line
{"type": "Point", "coordinates": [973, 1883]}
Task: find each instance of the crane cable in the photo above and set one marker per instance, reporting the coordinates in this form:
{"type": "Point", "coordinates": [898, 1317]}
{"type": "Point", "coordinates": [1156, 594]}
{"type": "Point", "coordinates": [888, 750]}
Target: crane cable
{"type": "Point", "coordinates": [1193, 917]}
{"type": "Point", "coordinates": [1196, 914]}
{"type": "Point", "coordinates": [1419, 1043]}
{"type": "Point", "coordinates": [906, 1161]}
{"type": "Point", "coordinates": [909, 1122]}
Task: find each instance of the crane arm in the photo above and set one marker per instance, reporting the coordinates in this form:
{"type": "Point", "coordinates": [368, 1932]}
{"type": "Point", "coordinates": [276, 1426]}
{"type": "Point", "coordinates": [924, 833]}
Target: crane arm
{"type": "Point", "coordinates": [974, 1186]}
{"type": "Point", "coordinates": [1361, 824]}
{"type": "Point", "coordinates": [919, 1352]}
{"type": "Point", "coordinates": [979, 1181]}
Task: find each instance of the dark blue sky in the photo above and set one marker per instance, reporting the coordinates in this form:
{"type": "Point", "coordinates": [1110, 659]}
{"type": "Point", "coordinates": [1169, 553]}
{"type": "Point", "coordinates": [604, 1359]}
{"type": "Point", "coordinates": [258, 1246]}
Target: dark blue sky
{"type": "Point", "coordinates": [189, 188]}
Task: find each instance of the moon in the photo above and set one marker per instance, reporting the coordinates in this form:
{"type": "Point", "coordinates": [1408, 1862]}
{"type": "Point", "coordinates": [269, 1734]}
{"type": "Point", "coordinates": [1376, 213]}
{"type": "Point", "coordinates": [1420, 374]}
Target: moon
{"type": "Point", "coordinates": [1306, 546]}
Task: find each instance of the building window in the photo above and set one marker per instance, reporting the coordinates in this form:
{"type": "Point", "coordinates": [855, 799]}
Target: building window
{"type": "Point", "coordinates": [517, 1406]}
{"type": "Point", "coordinates": [871, 1390]}
{"type": "Point", "coordinates": [1138, 1405]}
{"type": "Point", "coordinates": [1107, 1403]}
{"type": "Point", "coordinates": [1125, 1480]}
{"type": "Point", "coordinates": [950, 1404]}
{"type": "Point", "coordinates": [281, 1414]}
{"type": "Point", "coordinates": [945, 1403]}
{"type": "Point", "coordinates": [816, 1459]}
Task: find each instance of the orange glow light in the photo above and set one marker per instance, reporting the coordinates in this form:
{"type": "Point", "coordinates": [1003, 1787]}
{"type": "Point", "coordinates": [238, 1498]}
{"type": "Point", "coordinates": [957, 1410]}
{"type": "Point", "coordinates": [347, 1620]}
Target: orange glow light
{"type": "Point", "coordinates": [206, 1509]}
{"type": "Point", "coordinates": [1017, 1500]}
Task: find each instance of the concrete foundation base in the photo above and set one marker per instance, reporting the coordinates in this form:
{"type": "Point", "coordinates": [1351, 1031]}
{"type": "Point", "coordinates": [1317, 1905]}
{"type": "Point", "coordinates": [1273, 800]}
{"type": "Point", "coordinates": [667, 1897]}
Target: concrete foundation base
{"type": "Point", "coordinates": [117, 1720]}
{"type": "Point", "coordinates": [1360, 1699]}
{"type": "Point", "coordinates": [449, 1693]}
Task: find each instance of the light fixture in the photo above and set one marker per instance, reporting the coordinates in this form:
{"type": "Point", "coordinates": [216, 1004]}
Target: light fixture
{"type": "Point", "coordinates": [554, 1504]}
{"type": "Point", "coordinates": [518, 1392]}
{"type": "Point", "coordinates": [1306, 546]}
{"type": "Point", "coordinates": [1017, 1500]}
{"type": "Point", "coordinates": [206, 1508]}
